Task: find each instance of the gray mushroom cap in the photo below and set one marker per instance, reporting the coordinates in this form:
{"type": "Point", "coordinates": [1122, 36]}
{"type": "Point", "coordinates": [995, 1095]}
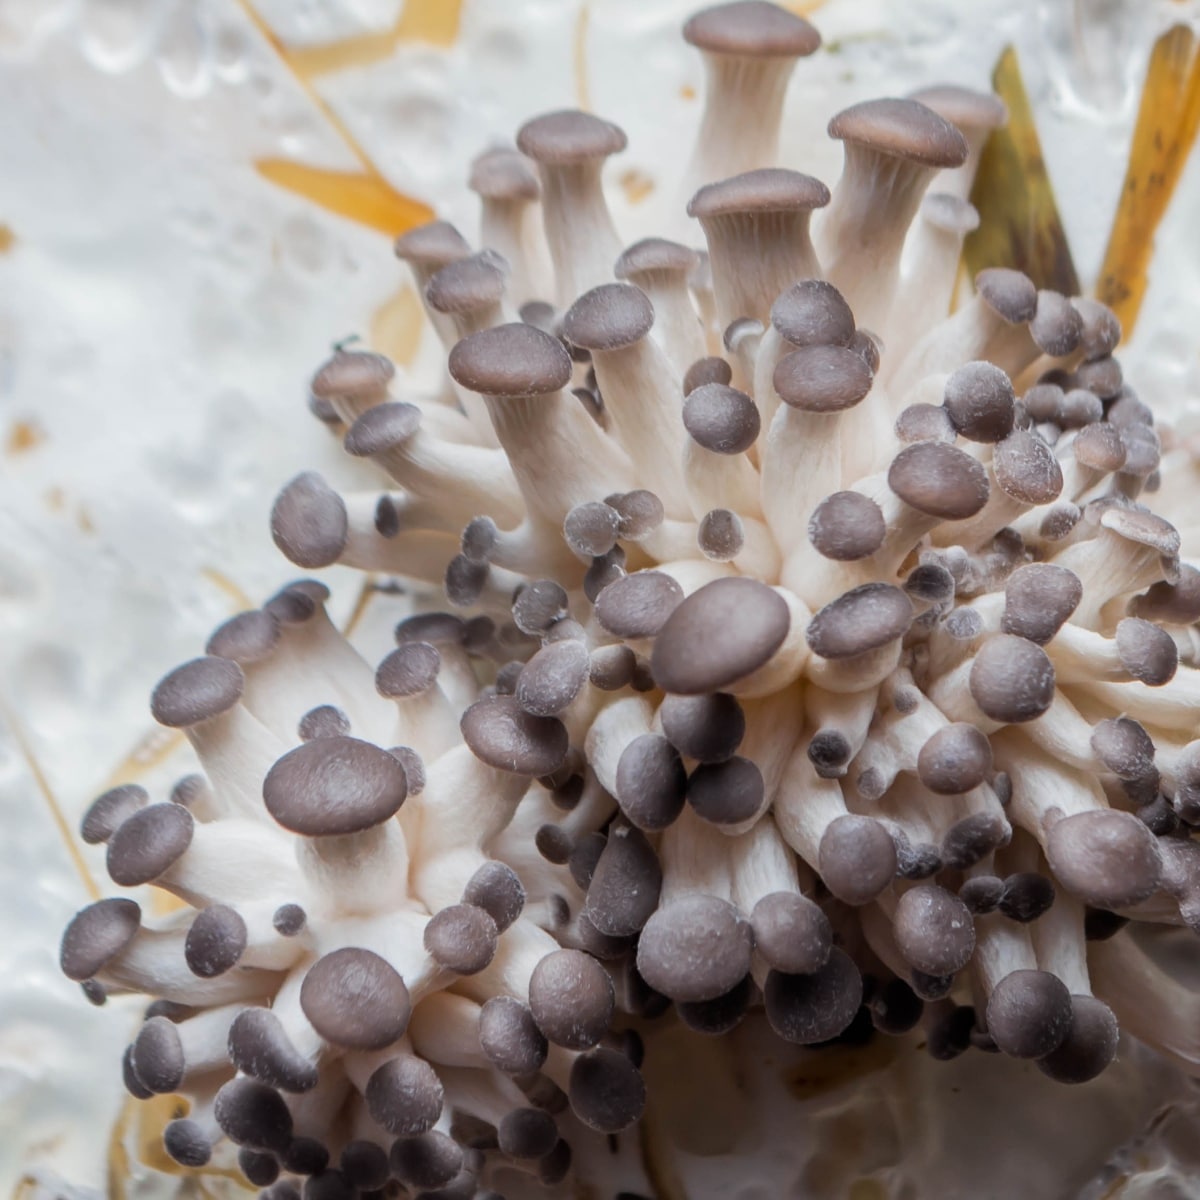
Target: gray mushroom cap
{"type": "Point", "coordinates": [355, 999]}
{"type": "Point", "coordinates": [510, 1037]}
{"type": "Point", "coordinates": [1148, 653]}
{"type": "Point", "coordinates": [1026, 468]}
{"type": "Point", "coordinates": [939, 480]}
{"type": "Point", "coordinates": [496, 888]}
{"type": "Point", "coordinates": [955, 759]}
{"type": "Point", "coordinates": [813, 312]}
{"type": "Point", "coordinates": [353, 374]}
{"type": "Point", "coordinates": [697, 948]}
{"type": "Point", "coordinates": [934, 930]}
{"type": "Point", "coordinates": [856, 858]}
{"type": "Point", "coordinates": [429, 1160]}
{"type": "Point", "coordinates": [502, 735]}
{"type": "Point", "coordinates": [527, 1133]}
{"type": "Point", "coordinates": [606, 1091]}
{"type": "Point", "coordinates": [254, 1115]}
{"type": "Point", "coordinates": [431, 245]}
{"type": "Point", "coordinates": [963, 107]}
{"type": "Point", "coordinates": [751, 28]}
{"type": "Point", "coordinates": [807, 1009]}
{"type": "Point", "coordinates": [468, 285]}
{"type": "Point", "coordinates": [571, 998]}
{"type": "Point", "coordinates": [511, 360]}
{"type": "Point", "coordinates": [405, 1096]}
{"type": "Point", "coordinates": [109, 810]}
{"type": "Point", "coordinates": [249, 637]}
{"type": "Point", "coordinates": [1090, 1045]}
{"type": "Point", "coordinates": [765, 190]}
{"type": "Point", "coordinates": [97, 934]}
{"type": "Point", "coordinates": [651, 782]}
{"type": "Point", "coordinates": [309, 523]}
{"type": "Point", "coordinates": [1029, 1013]}
{"type": "Point", "coordinates": [1106, 857]}
{"type": "Point", "coordinates": [569, 136]}
{"type": "Point", "coordinates": [215, 942]}
{"type": "Point", "coordinates": [461, 938]}
{"type": "Point", "coordinates": [501, 173]}
{"type": "Point", "coordinates": [1012, 679]}
{"type": "Point", "coordinates": [197, 691]}
{"type": "Point", "coordinates": [1010, 294]}
{"type": "Point", "coordinates": [1038, 600]}
{"type": "Point", "coordinates": [655, 256]}
{"type": "Point", "coordinates": [721, 633]}
{"type": "Point", "coordinates": [260, 1048]}
{"type": "Point", "coordinates": [980, 401]}
{"type": "Point", "coordinates": [149, 843]}
{"type": "Point", "coordinates": [625, 882]}
{"type": "Point", "coordinates": [902, 129]}
{"type": "Point", "coordinates": [382, 428]}
{"type": "Point", "coordinates": [721, 419]}
{"type": "Point", "coordinates": [708, 728]}
{"type": "Point", "coordinates": [792, 933]}
{"type": "Point", "coordinates": [608, 317]}
{"type": "Point", "coordinates": [822, 379]}
{"type": "Point", "coordinates": [638, 605]}
{"type": "Point", "coordinates": [334, 785]}
{"type": "Point", "coordinates": [862, 619]}
{"type": "Point", "coordinates": [409, 670]}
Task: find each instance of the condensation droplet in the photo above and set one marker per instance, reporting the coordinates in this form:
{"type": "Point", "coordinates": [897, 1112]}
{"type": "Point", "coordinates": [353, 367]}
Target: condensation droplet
{"type": "Point", "coordinates": [184, 55]}
{"type": "Point", "coordinates": [116, 35]}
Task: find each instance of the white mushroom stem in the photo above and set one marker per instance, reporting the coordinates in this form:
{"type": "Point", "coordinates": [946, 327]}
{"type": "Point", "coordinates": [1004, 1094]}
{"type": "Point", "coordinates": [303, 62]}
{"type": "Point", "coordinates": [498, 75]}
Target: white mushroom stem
{"type": "Point", "coordinates": [514, 228]}
{"type": "Point", "coordinates": [805, 805]}
{"type": "Point", "coordinates": [315, 1111]}
{"type": "Point", "coordinates": [951, 642]}
{"type": "Point", "coordinates": [357, 873]}
{"type": "Point", "coordinates": [896, 737]}
{"type": "Point", "coordinates": [760, 862]}
{"type": "Point", "coordinates": [521, 948]}
{"type": "Point", "coordinates": [615, 726]}
{"type": "Point", "coordinates": [1064, 735]}
{"type": "Point", "coordinates": [1001, 947]}
{"type": "Point", "coordinates": [427, 722]}
{"type": "Point", "coordinates": [560, 456]}
{"type": "Point", "coordinates": [1110, 567]}
{"type": "Point", "coordinates": [720, 481]}
{"type": "Point", "coordinates": [398, 937]}
{"type": "Point", "coordinates": [204, 1040]}
{"type": "Point", "coordinates": [418, 554]}
{"type": "Point", "coordinates": [1084, 656]}
{"type": "Point", "coordinates": [233, 861]}
{"type": "Point", "coordinates": [265, 948]}
{"type": "Point", "coordinates": [772, 724]}
{"type": "Point", "coordinates": [579, 229]}
{"type": "Point", "coordinates": [1148, 1003]}
{"type": "Point", "coordinates": [1172, 706]}
{"type": "Point", "coordinates": [1060, 945]}
{"type": "Point", "coordinates": [788, 663]}
{"type": "Point", "coordinates": [848, 714]}
{"type": "Point", "coordinates": [1043, 789]}
{"type": "Point", "coordinates": [696, 859]}
{"type": "Point", "coordinates": [642, 393]}
{"type": "Point", "coordinates": [236, 751]}
{"type": "Point", "coordinates": [483, 1092]}
{"type": "Point", "coordinates": [444, 1029]}
{"type": "Point", "coordinates": [677, 328]}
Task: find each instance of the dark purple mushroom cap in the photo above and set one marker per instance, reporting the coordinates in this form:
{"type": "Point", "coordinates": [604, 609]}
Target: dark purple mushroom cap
{"type": "Point", "coordinates": [1056, 326]}
{"type": "Point", "coordinates": [468, 285]}
{"type": "Point", "coordinates": [502, 735]}
{"type": "Point", "coordinates": [571, 997]}
{"type": "Point", "coordinates": [766, 190]}
{"type": "Point", "coordinates": [187, 1143]}
{"type": "Point", "coordinates": [260, 1047]}
{"type": "Point", "coordinates": [309, 1156]}
{"type": "Point", "coordinates": [822, 379]}
{"type": "Point", "coordinates": [655, 256]}
{"type": "Point", "coordinates": [149, 843]}
{"type": "Point", "coordinates": [429, 1160]}
{"type": "Point", "coordinates": [721, 633]}
{"type": "Point", "coordinates": [552, 678]}
{"type": "Point", "coordinates": [1027, 895]}
{"type": "Point", "coordinates": [354, 374]}
{"type": "Point", "coordinates": [1011, 679]}
{"type": "Point", "coordinates": [721, 535]}
{"type": "Point", "coordinates": [405, 1096]}
{"type": "Point", "coordinates": [939, 480]}
{"type": "Point", "coordinates": [109, 810]}
{"type": "Point", "coordinates": [1148, 653]}
{"type": "Point", "coordinates": [707, 728]}
{"type": "Point", "coordinates": [247, 638]}
{"type": "Point", "coordinates": [651, 782]}
{"type": "Point", "coordinates": [1090, 1045]}
{"type": "Point", "coordinates": [608, 317]}
{"type": "Point", "coordinates": [364, 1164]}
{"type": "Point", "coordinates": [527, 1133]}
{"type": "Point", "coordinates": [697, 948]}
{"type": "Point", "coordinates": [980, 401]}
{"type": "Point", "coordinates": [157, 1056]}
{"type": "Point", "coordinates": [511, 360]}
{"type": "Point", "coordinates": [334, 785]}
{"type": "Point", "coordinates": [638, 605]}
{"type": "Point", "coordinates": [625, 882]}
{"type": "Point", "coordinates": [461, 938]}
{"type": "Point", "coordinates": [862, 619]}
{"type": "Point", "coordinates": [934, 930]}
{"type": "Point", "coordinates": [1106, 857]}
{"type": "Point", "coordinates": [606, 1090]}
{"type": "Point", "coordinates": [510, 1037]}
{"type": "Point", "coordinates": [972, 838]}
{"type": "Point", "coordinates": [955, 759]}
{"type": "Point", "coordinates": [720, 418]}
{"type": "Point", "coordinates": [856, 858]}
{"type": "Point", "coordinates": [215, 942]}
{"type": "Point", "coordinates": [982, 893]}
{"type": "Point", "coordinates": [1038, 600]}
{"type": "Point", "coordinates": [706, 370]}
{"type": "Point", "coordinates": [1010, 294]}
{"type": "Point", "coordinates": [552, 1168]}
{"type": "Point", "coordinates": [355, 999]}
{"type": "Point", "coordinates": [261, 1169]}
{"type": "Point", "coordinates": [846, 526]}
{"type": "Point", "coordinates": [903, 129]}
{"type": "Point", "coordinates": [309, 522]}
{"type": "Point", "coordinates": [727, 792]}
{"type": "Point", "coordinates": [1026, 468]}
{"type": "Point", "coordinates": [289, 919]}
{"type": "Point", "coordinates": [751, 29]}
{"type": "Point", "coordinates": [807, 1009]}
{"type": "Point", "coordinates": [496, 889]}
{"type": "Point", "coordinates": [792, 933]}
{"type": "Point", "coordinates": [569, 136]}
{"type": "Point", "coordinates": [813, 312]}
{"type": "Point", "coordinates": [254, 1115]}
{"type": "Point", "coordinates": [503, 174]}
{"type": "Point", "coordinates": [1029, 1013]}
{"type": "Point", "coordinates": [197, 691]}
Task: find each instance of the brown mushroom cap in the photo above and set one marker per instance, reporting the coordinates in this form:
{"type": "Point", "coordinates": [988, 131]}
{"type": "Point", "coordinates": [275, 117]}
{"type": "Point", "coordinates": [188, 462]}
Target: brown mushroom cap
{"type": "Point", "coordinates": [501, 734]}
{"type": "Point", "coordinates": [1108, 858]}
{"type": "Point", "coordinates": [215, 942]}
{"type": "Point", "coordinates": [862, 619]}
{"type": "Point", "coordinates": [1026, 468]}
{"type": "Point", "coordinates": [934, 930]}
{"type": "Point", "coordinates": [259, 1047]}
{"type": "Point", "coordinates": [653, 256]}
{"type": "Point", "coordinates": [624, 884]}
{"type": "Point", "coordinates": [1148, 653]}
{"type": "Point", "coordinates": [569, 136]}
{"type": "Point", "coordinates": [813, 312]}
{"type": "Point", "coordinates": [355, 999]}
{"type": "Point", "coordinates": [955, 759]}
{"type": "Point", "coordinates": [433, 245]}
{"type": "Point", "coordinates": [309, 522]}
{"type": "Point", "coordinates": [353, 374]}
{"type": "Point", "coordinates": [963, 107]}
{"type": "Point", "coordinates": [822, 379]}
{"type": "Point", "coordinates": [149, 843]}
{"type": "Point", "coordinates": [856, 858]}
{"type": "Point", "coordinates": [980, 401]}
{"type": "Point", "coordinates": [334, 785]}
{"type": "Point", "coordinates": [753, 28]}
{"type": "Point", "coordinates": [496, 888]}
{"type": "Point", "coordinates": [405, 1096]}
{"type": "Point", "coordinates": [1012, 679]}
{"type": "Point", "coordinates": [1029, 1013]}
{"type": "Point", "coordinates": [608, 317]}
{"type": "Point", "coordinates": [721, 633]}
{"type": "Point", "coordinates": [254, 1115]}
{"type": "Point", "coordinates": [939, 480]}
{"type": "Point", "coordinates": [461, 938]}
{"type": "Point", "coordinates": [638, 605]}
{"type": "Point", "coordinates": [807, 1009]}
{"type": "Point", "coordinates": [696, 948]}
{"type": "Point", "coordinates": [469, 284]}
{"type": "Point", "coordinates": [1038, 599]}
{"type": "Point", "coordinates": [721, 419]}
{"type": "Point", "coordinates": [511, 360]}
{"type": "Point", "coordinates": [510, 1038]}
{"type": "Point", "coordinates": [197, 691]}
{"type": "Point", "coordinates": [247, 638]}
{"type": "Point", "coordinates": [1010, 294]}
{"type": "Point", "coordinates": [1137, 524]}
{"type": "Point", "coordinates": [501, 173]}
{"type": "Point", "coordinates": [96, 934]}
{"type": "Point", "coordinates": [791, 932]}
{"type": "Point", "coordinates": [429, 1160]}
{"type": "Point", "coordinates": [847, 526]}
{"type": "Point", "coordinates": [1056, 326]}
{"type": "Point", "coordinates": [651, 782]}
{"type": "Point", "coordinates": [765, 190]}
{"type": "Point", "coordinates": [571, 997]}
{"type": "Point", "coordinates": [924, 423]}
{"type": "Point", "coordinates": [901, 129]}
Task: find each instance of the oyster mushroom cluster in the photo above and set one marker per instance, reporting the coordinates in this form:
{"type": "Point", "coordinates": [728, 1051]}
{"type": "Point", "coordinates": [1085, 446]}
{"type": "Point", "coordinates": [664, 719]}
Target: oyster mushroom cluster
{"type": "Point", "coordinates": [801, 647]}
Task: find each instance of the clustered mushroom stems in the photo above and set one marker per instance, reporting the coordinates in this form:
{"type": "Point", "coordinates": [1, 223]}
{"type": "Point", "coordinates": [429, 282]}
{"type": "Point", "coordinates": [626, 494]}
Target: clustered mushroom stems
{"type": "Point", "coordinates": [804, 648]}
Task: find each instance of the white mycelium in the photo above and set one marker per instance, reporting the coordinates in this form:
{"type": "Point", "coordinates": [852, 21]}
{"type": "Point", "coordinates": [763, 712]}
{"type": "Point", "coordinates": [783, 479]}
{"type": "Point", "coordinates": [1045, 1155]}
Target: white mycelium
{"type": "Point", "coordinates": [806, 648]}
